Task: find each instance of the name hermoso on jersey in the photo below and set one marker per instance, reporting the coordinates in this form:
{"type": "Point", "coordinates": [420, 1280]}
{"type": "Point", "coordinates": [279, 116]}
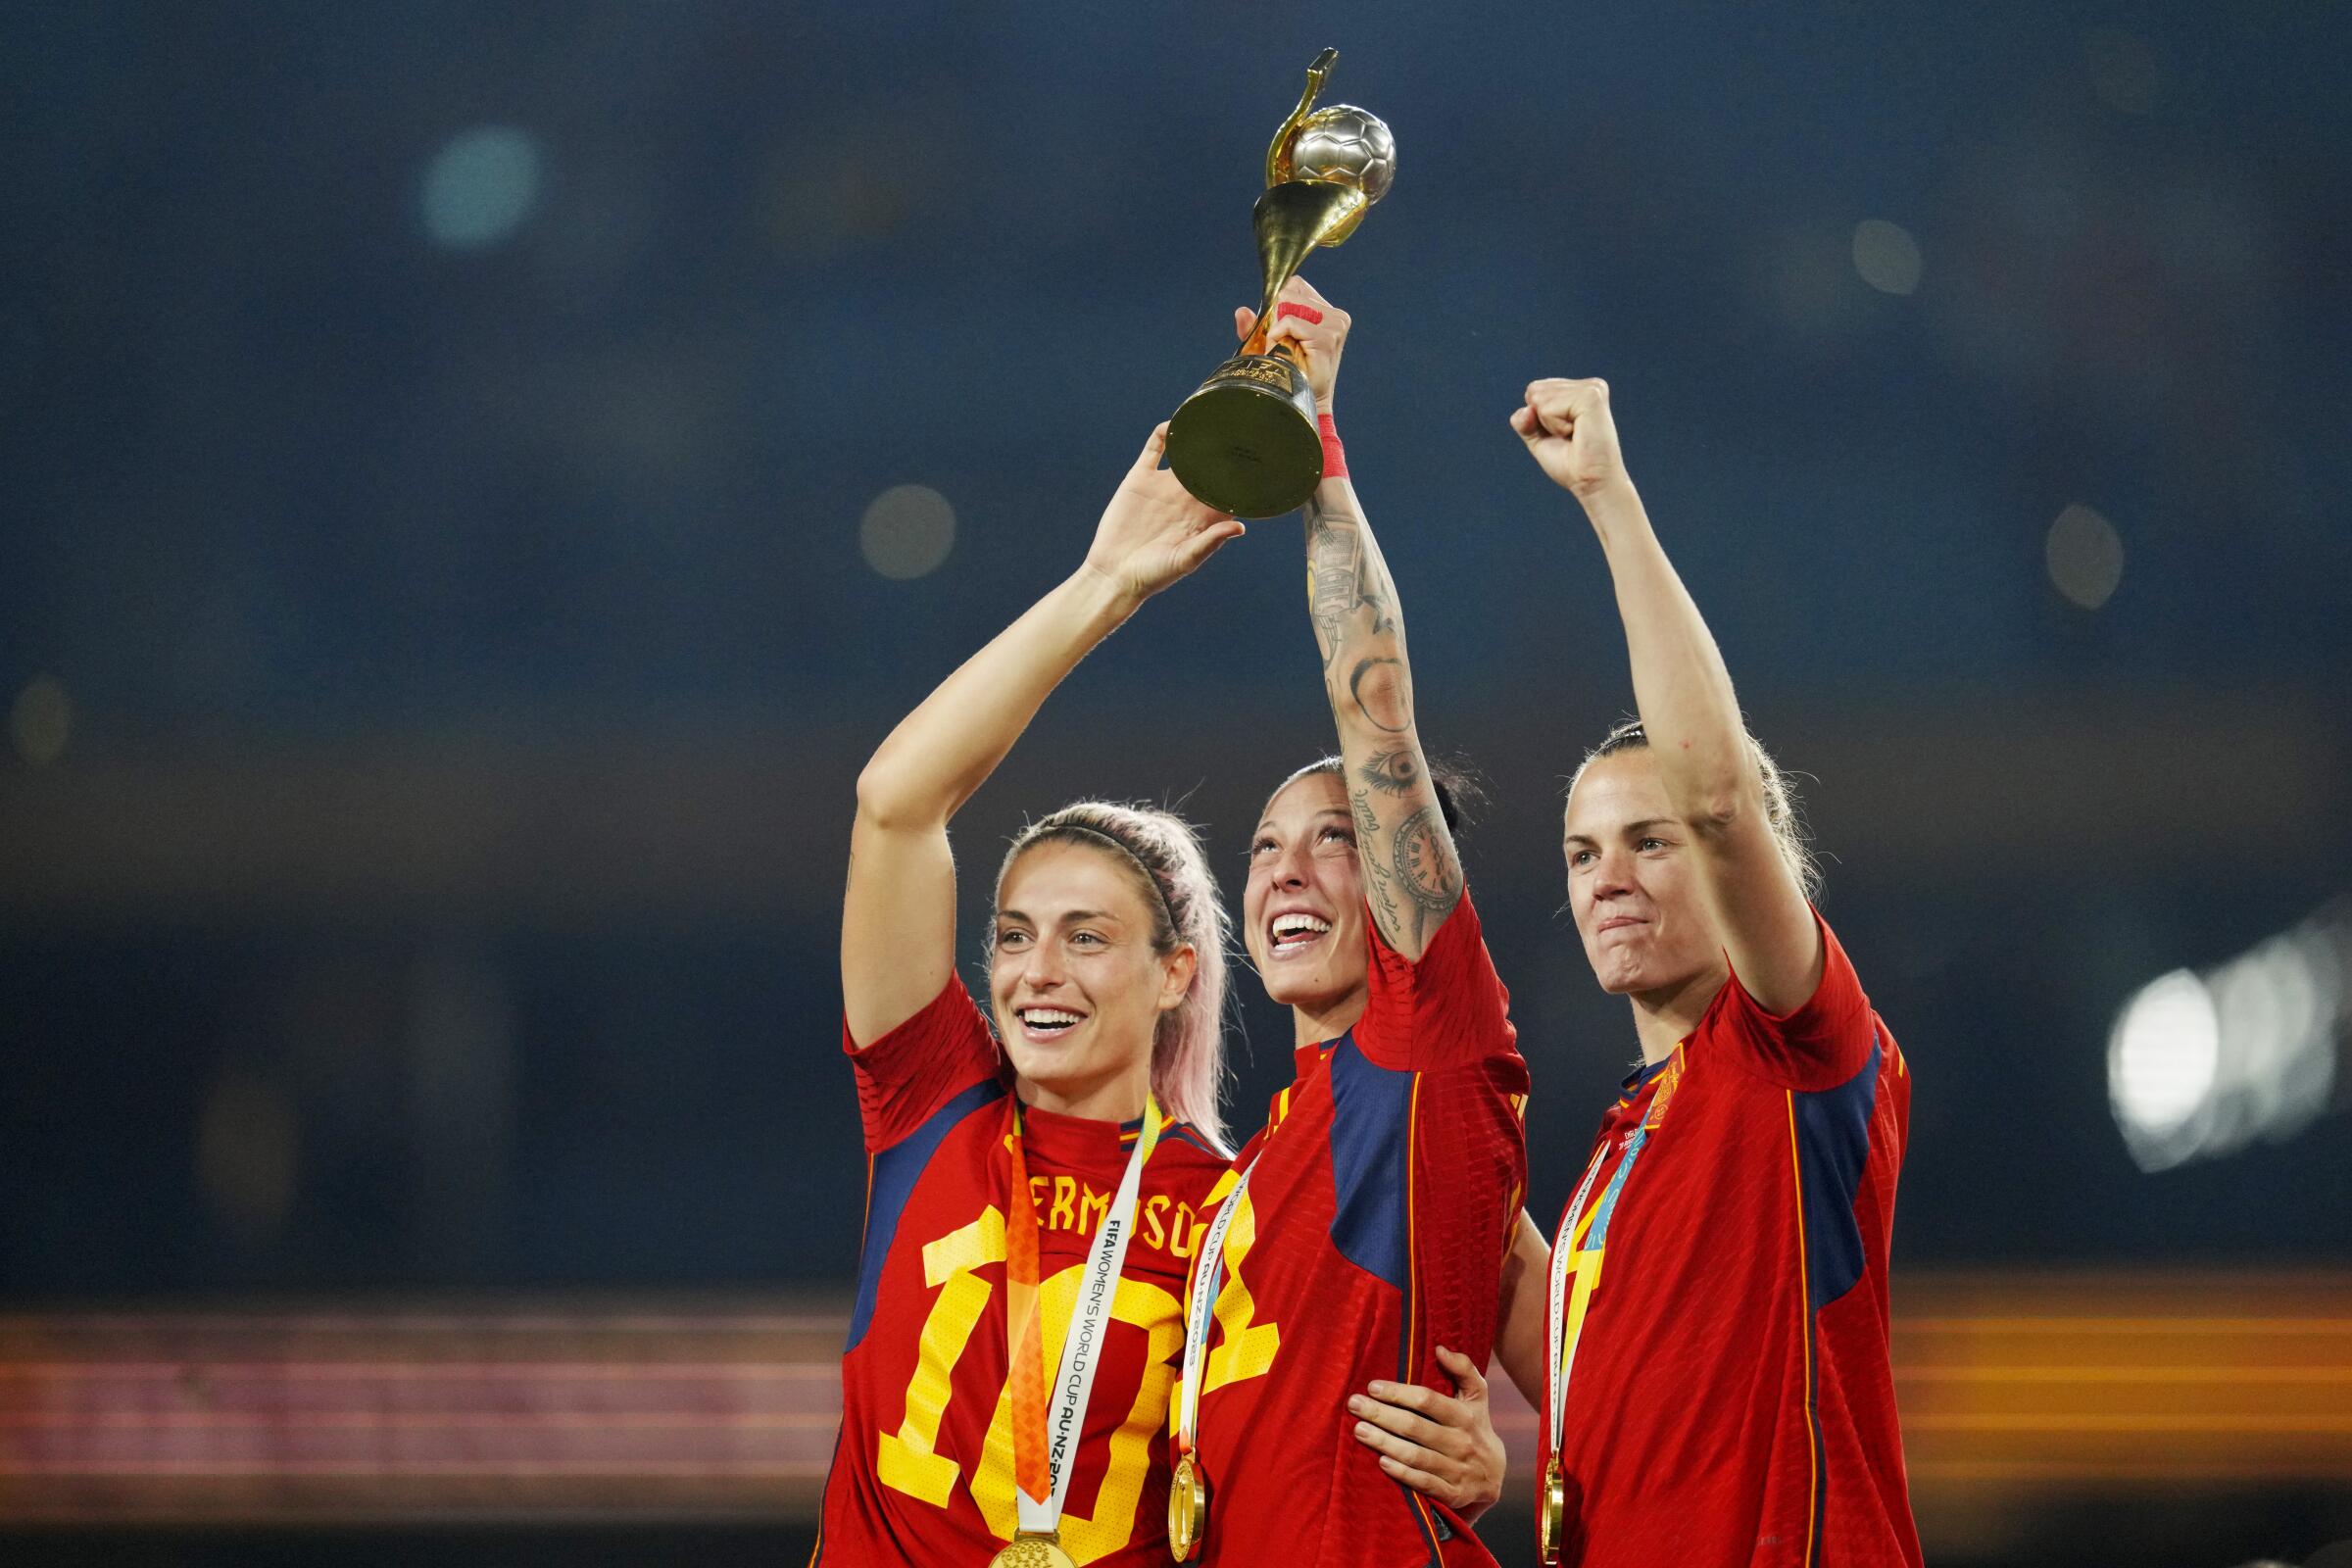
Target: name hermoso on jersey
{"type": "Point", "coordinates": [1165, 1223]}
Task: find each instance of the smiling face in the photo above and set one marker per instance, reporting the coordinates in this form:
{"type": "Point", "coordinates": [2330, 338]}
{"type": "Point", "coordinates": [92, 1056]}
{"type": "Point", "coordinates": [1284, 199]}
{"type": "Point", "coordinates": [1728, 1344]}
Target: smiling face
{"type": "Point", "coordinates": [1302, 913]}
{"type": "Point", "coordinates": [1075, 985]}
{"type": "Point", "coordinates": [1630, 883]}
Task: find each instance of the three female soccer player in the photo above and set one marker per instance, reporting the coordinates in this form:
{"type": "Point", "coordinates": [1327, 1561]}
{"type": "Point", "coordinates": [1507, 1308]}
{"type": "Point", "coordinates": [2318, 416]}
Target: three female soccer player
{"type": "Point", "coordinates": [1722, 1396]}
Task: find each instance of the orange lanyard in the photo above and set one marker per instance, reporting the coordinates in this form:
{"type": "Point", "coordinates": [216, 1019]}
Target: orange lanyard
{"type": "Point", "coordinates": [1044, 1440]}
{"type": "Point", "coordinates": [1024, 1339]}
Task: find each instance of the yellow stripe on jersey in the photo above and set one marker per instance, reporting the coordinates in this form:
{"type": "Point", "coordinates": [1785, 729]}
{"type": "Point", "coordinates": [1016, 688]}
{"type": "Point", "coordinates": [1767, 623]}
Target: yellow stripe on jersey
{"type": "Point", "coordinates": [1111, 1526]}
{"type": "Point", "coordinates": [1804, 1304]}
{"type": "Point", "coordinates": [908, 1459]}
{"type": "Point", "coordinates": [1248, 1346]}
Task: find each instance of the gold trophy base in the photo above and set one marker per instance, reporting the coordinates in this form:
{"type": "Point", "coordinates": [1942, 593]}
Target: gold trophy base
{"type": "Point", "coordinates": [1246, 442]}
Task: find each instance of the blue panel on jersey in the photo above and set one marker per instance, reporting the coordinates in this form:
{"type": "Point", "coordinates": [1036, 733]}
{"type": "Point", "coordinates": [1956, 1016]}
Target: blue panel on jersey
{"type": "Point", "coordinates": [1833, 1141]}
{"type": "Point", "coordinates": [1369, 1107]}
{"type": "Point", "coordinates": [896, 1171]}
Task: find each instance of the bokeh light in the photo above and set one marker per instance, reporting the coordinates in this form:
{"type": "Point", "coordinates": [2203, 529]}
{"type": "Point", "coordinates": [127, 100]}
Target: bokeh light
{"type": "Point", "coordinates": [2162, 1059]}
{"type": "Point", "coordinates": [40, 721]}
{"type": "Point", "coordinates": [2200, 1066]}
{"type": "Point", "coordinates": [480, 186]}
{"type": "Point", "coordinates": [906, 531]}
{"type": "Point", "coordinates": [2085, 557]}
{"type": "Point", "coordinates": [1887, 256]}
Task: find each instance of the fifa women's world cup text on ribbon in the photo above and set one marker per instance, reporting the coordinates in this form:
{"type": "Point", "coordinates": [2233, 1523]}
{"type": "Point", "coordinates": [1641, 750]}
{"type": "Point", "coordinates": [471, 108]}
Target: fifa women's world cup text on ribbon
{"type": "Point", "coordinates": [1576, 1254]}
{"type": "Point", "coordinates": [1045, 1440]}
{"type": "Point", "coordinates": [1187, 1494]}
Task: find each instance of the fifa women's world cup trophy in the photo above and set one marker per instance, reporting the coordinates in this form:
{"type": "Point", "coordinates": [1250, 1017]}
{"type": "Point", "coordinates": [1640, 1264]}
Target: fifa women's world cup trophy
{"type": "Point", "coordinates": [1245, 443]}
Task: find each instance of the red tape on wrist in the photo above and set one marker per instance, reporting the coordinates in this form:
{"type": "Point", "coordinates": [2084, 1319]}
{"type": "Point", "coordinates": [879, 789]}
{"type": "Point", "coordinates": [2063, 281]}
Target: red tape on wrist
{"type": "Point", "coordinates": [1306, 312]}
{"type": "Point", "coordinates": [1335, 455]}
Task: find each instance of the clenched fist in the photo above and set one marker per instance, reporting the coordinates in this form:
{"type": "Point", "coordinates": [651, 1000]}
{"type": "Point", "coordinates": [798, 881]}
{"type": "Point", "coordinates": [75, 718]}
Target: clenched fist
{"type": "Point", "coordinates": [1313, 325]}
{"type": "Point", "coordinates": [1568, 427]}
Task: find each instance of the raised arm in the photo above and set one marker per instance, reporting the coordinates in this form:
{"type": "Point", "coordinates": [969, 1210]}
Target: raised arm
{"type": "Point", "coordinates": [1412, 877]}
{"type": "Point", "coordinates": [1685, 696]}
{"type": "Point", "coordinates": [898, 918]}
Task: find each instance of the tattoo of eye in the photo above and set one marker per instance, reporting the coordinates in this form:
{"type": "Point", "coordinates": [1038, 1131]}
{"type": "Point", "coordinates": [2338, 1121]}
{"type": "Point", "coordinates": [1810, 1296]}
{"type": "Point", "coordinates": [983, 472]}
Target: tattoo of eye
{"type": "Point", "coordinates": [1393, 772]}
{"type": "Point", "coordinates": [1426, 863]}
{"type": "Point", "coordinates": [1383, 693]}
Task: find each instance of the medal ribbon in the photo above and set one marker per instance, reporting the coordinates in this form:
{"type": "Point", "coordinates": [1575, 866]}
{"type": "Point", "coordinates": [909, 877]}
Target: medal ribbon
{"type": "Point", "coordinates": [1026, 1380]}
{"type": "Point", "coordinates": [1208, 1276]}
{"type": "Point", "coordinates": [1576, 1253]}
{"type": "Point", "coordinates": [1046, 1432]}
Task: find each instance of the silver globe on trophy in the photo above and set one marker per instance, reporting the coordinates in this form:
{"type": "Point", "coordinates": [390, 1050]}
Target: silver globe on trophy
{"type": "Point", "coordinates": [1245, 443]}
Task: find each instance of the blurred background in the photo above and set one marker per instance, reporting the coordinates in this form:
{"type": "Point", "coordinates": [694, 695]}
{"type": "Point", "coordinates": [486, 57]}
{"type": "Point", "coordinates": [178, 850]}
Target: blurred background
{"type": "Point", "coordinates": [480, 480]}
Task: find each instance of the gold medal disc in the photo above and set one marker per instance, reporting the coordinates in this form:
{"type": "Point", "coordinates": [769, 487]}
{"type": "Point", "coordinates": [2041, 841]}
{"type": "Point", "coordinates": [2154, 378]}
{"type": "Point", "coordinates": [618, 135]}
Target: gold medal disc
{"type": "Point", "coordinates": [1188, 1511]}
{"type": "Point", "coordinates": [1032, 1551]}
{"type": "Point", "coordinates": [1554, 1517]}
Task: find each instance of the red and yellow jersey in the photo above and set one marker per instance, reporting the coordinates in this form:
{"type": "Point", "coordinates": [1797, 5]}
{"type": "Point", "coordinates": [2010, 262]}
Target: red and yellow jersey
{"type": "Point", "coordinates": [922, 1471]}
{"type": "Point", "coordinates": [1730, 1400]}
{"type": "Point", "coordinates": [1373, 1229]}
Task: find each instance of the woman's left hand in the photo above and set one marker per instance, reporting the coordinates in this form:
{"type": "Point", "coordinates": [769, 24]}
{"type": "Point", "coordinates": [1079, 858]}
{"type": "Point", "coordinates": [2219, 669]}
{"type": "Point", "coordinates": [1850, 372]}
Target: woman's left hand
{"type": "Point", "coordinates": [1445, 1448]}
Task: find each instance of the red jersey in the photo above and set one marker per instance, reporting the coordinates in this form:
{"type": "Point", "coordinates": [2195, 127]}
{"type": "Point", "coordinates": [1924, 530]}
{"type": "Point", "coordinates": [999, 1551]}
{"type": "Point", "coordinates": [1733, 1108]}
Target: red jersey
{"type": "Point", "coordinates": [1385, 1186]}
{"type": "Point", "coordinates": [1731, 1400]}
{"type": "Point", "coordinates": [923, 1469]}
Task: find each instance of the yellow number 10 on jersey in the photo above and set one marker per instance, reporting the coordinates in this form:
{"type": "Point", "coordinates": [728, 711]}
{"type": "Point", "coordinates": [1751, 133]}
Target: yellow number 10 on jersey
{"type": "Point", "coordinates": [909, 1460]}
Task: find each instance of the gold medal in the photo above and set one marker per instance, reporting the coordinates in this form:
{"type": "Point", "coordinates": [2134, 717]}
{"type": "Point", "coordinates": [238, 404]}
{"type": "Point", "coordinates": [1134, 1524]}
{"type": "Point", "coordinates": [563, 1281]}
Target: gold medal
{"type": "Point", "coordinates": [1552, 1517]}
{"type": "Point", "coordinates": [1033, 1549]}
{"type": "Point", "coordinates": [1188, 1511]}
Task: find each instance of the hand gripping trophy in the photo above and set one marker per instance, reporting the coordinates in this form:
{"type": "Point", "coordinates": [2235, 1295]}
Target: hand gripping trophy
{"type": "Point", "coordinates": [1245, 443]}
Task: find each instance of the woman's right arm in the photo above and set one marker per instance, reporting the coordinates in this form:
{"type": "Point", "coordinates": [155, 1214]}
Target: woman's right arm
{"type": "Point", "coordinates": [1520, 1325]}
{"type": "Point", "coordinates": [1689, 711]}
{"type": "Point", "coordinates": [898, 918]}
{"type": "Point", "coordinates": [1412, 875]}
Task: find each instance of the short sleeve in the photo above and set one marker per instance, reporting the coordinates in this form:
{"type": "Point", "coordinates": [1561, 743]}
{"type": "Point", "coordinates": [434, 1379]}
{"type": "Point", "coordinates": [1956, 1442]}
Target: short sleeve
{"type": "Point", "coordinates": [1469, 1180]}
{"type": "Point", "coordinates": [1449, 1008]}
{"type": "Point", "coordinates": [1819, 1045]}
{"type": "Point", "coordinates": [911, 1071]}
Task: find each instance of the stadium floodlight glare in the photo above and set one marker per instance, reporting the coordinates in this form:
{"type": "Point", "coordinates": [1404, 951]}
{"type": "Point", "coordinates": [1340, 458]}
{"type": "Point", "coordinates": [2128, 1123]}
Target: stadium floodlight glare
{"type": "Point", "coordinates": [2200, 1066]}
{"type": "Point", "coordinates": [2162, 1059]}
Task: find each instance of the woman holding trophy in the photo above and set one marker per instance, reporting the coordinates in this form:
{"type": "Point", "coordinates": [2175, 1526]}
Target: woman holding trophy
{"type": "Point", "coordinates": [1361, 1233]}
{"type": "Point", "coordinates": [1358, 1242]}
{"type": "Point", "coordinates": [1031, 1206]}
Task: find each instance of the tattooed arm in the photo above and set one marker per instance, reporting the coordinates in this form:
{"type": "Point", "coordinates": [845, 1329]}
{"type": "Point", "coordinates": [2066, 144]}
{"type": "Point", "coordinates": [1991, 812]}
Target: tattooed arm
{"type": "Point", "coordinates": [1412, 877]}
